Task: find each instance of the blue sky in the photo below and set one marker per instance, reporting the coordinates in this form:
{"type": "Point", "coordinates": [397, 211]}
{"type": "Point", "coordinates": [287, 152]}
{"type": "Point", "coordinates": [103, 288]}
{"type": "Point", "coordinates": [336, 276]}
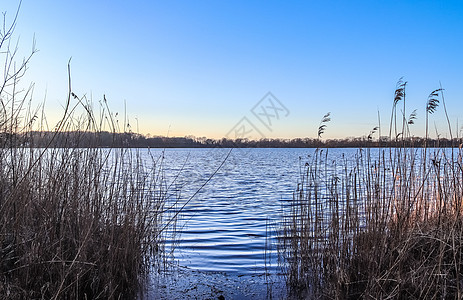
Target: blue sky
{"type": "Point", "coordinates": [199, 67]}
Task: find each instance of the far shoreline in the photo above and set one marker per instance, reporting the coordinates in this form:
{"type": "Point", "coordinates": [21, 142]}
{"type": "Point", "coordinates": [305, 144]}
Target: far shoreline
{"type": "Point", "coordinates": [106, 139]}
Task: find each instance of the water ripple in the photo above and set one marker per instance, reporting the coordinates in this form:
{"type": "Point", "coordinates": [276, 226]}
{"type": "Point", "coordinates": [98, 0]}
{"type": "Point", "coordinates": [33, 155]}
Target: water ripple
{"type": "Point", "coordinates": [224, 228]}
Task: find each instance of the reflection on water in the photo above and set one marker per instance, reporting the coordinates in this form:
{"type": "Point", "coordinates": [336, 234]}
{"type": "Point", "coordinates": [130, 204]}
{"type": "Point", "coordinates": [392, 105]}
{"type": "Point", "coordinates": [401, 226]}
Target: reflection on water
{"type": "Point", "coordinates": [224, 230]}
{"type": "Point", "coordinates": [224, 227]}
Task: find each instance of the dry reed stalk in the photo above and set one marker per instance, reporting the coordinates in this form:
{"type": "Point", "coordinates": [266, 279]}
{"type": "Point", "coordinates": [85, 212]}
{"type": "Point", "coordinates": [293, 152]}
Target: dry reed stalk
{"type": "Point", "coordinates": [377, 226]}
{"type": "Point", "coordinates": [75, 223]}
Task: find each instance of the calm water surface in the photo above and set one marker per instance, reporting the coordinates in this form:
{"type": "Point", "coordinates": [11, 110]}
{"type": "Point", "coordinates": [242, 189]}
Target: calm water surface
{"type": "Point", "coordinates": [224, 227]}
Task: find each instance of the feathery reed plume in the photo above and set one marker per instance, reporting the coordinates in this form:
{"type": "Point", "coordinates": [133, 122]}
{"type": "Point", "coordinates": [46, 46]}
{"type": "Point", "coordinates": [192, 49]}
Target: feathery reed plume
{"type": "Point", "coordinates": [412, 118]}
{"type": "Point", "coordinates": [399, 95]}
{"type": "Point", "coordinates": [431, 106]}
{"type": "Point", "coordinates": [377, 225]}
{"type": "Point", "coordinates": [370, 135]}
{"type": "Point", "coordinates": [411, 121]}
{"type": "Point", "coordinates": [433, 101]}
{"type": "Point", "coordinates": [321, 128]}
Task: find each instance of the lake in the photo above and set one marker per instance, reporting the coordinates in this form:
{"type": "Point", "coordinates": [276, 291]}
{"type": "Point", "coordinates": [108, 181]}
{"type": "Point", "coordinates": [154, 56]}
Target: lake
{"type": "Point", "coordinates": [227, 230]}
{"type": "Point", "coordinates": [229, 225]}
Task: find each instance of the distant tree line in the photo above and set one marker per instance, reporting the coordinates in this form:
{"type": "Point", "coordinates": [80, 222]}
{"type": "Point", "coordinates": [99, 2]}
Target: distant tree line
{"type": "Point", "coordinates": [134, 140]}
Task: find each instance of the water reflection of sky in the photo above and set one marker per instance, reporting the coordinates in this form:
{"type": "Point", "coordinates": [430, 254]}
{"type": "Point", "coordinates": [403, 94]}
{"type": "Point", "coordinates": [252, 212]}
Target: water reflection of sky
{"type": "Point", "coordinates": [224, 227]}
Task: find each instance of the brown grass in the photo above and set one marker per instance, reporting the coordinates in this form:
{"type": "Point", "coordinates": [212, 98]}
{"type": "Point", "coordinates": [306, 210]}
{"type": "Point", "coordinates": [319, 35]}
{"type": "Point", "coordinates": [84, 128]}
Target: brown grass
{"type": "Point", "coordinates": [386, 224]}
{"type": "Point", "coordinates": [75, 223]}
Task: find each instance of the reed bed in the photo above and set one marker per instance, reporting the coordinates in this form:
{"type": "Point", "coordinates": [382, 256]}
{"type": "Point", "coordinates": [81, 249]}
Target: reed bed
{"type": "Point", "coordinates": [79, 223]}
{"type": "Point", "coordinates": [385, 224]}
{"type": "Point", "coordinates": [75, 223]}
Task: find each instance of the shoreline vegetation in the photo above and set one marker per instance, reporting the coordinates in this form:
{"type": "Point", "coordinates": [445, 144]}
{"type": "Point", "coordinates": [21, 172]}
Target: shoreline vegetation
{"type": "Point", "coordinates": [75, 223]}
{"type": "Point", "coordinates": [107, 139]}
{"type": "Point", "coordinates": [387, 224]}
{"type": "Point", "coordinates": [83, 216]}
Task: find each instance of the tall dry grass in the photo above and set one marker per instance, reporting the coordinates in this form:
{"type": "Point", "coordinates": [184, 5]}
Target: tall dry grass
{"type": "Point", "coordinates": [75, 223]}
{"type": "Point", "coordinates": [384, 224]}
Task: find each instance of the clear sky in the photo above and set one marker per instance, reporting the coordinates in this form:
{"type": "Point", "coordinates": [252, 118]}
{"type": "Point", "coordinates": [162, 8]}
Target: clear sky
{"type": "Point", "coordinates": [200, 67]}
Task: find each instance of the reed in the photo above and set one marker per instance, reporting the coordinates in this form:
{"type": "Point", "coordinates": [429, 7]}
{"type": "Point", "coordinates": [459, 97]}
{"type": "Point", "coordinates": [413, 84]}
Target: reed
{"type": "Point", "coordinates": [75, 223]}
{"type": "Point", "coordinates": [385, 224]}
